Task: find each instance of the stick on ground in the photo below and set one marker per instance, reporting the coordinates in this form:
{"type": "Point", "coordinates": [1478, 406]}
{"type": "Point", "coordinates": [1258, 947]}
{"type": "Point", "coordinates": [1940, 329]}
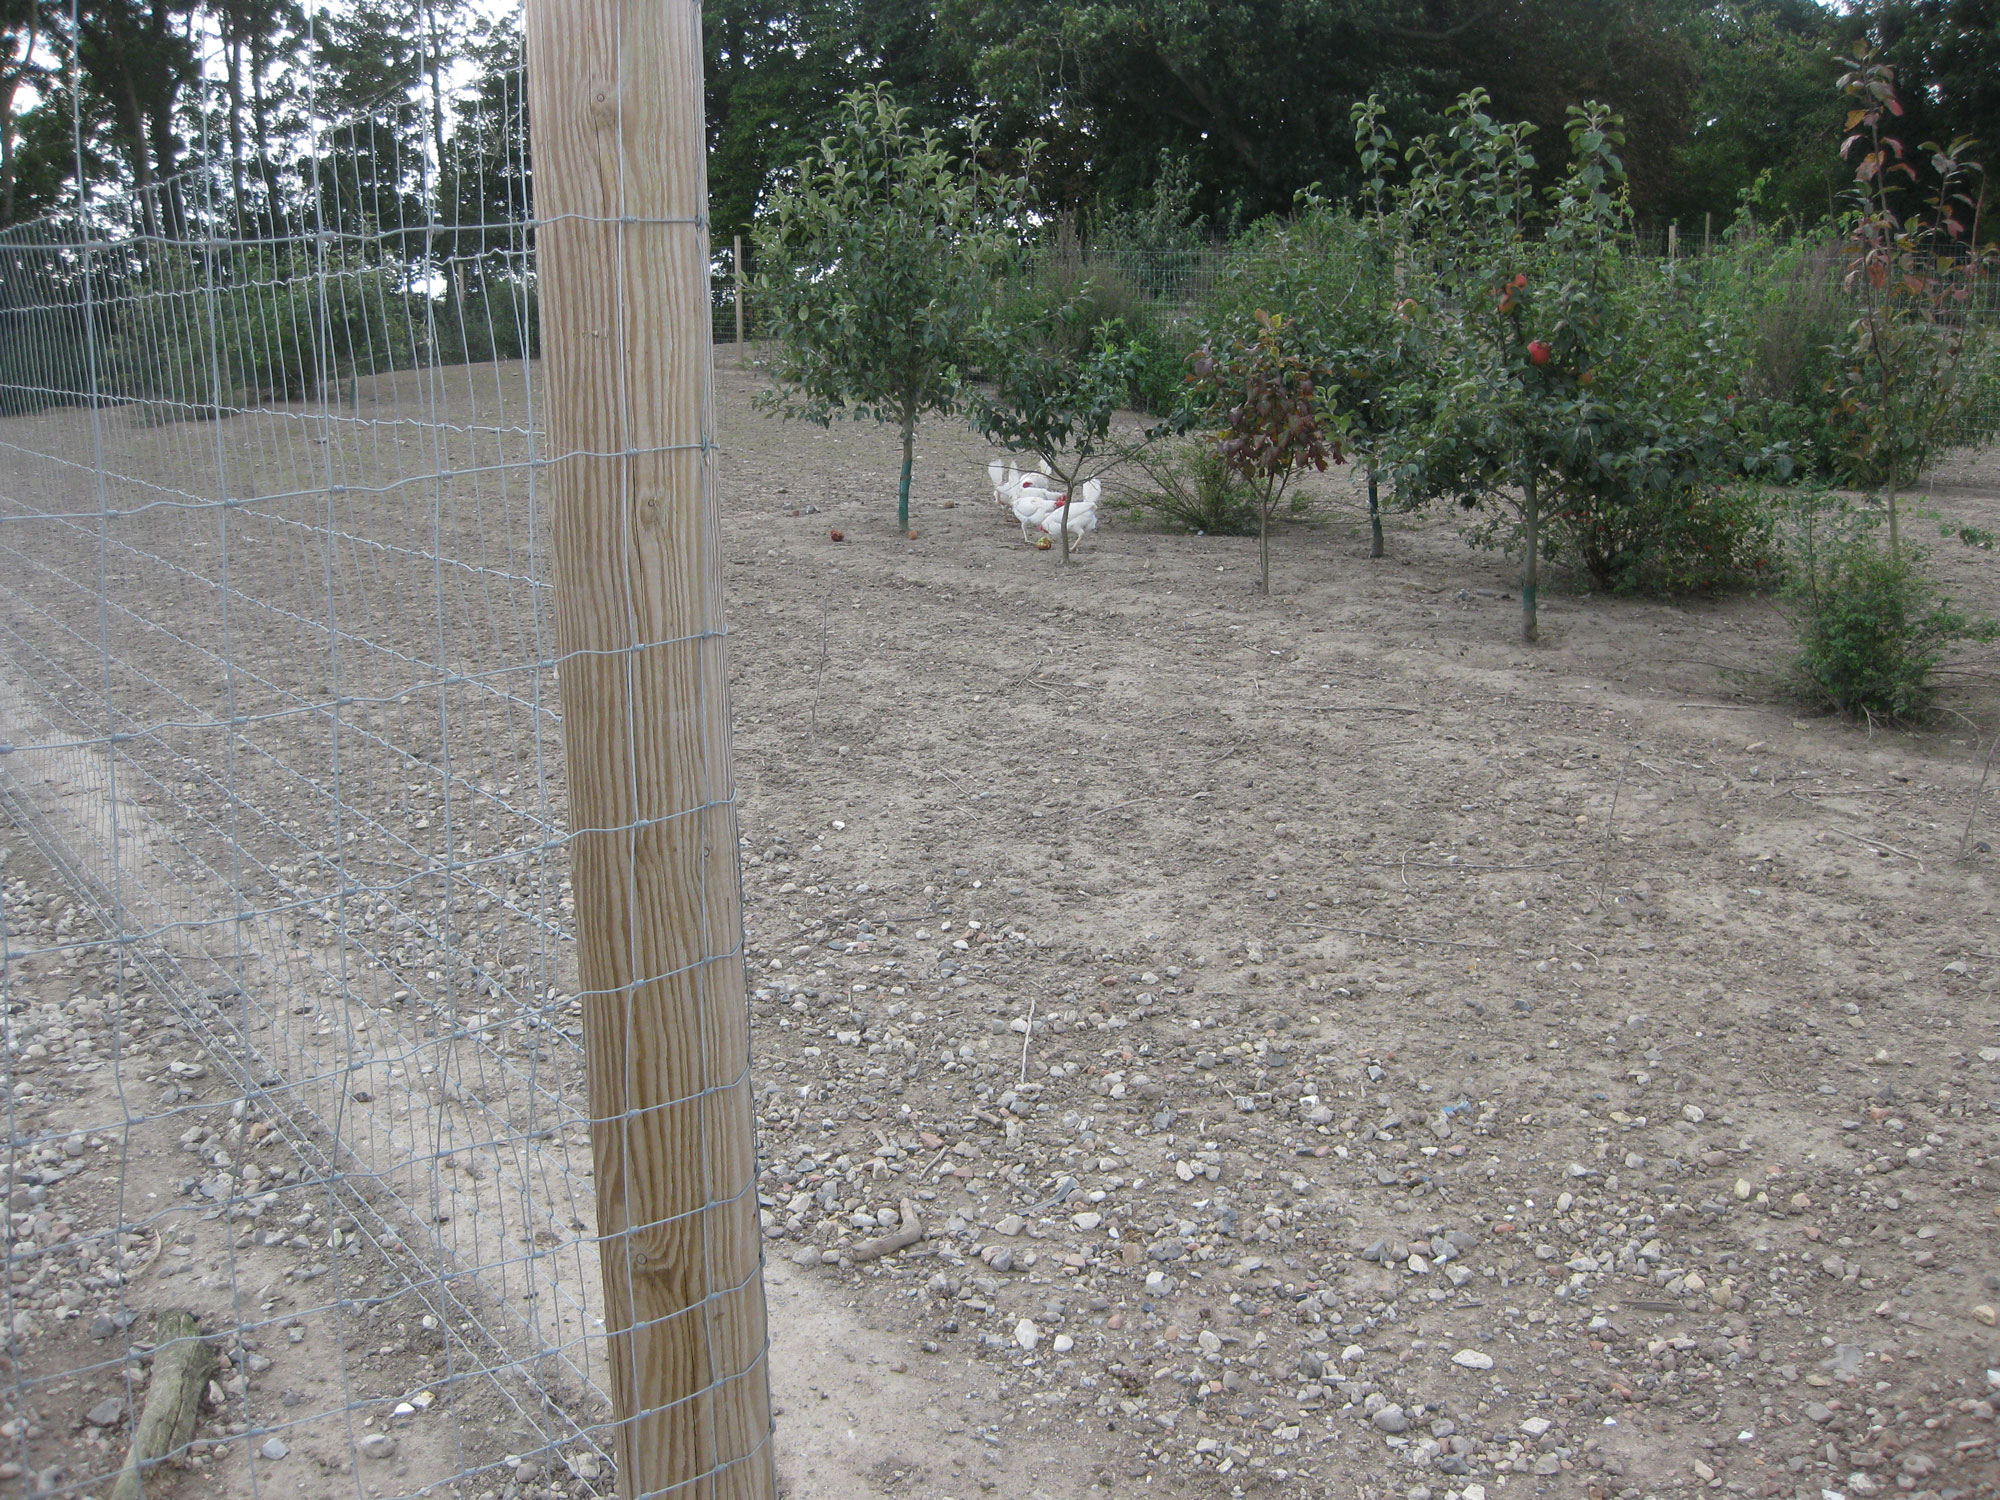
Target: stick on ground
{"type": "Point", "coordinates": [1979, 792]}
{"type": "Point", "coordinates": [182, 1363]}
{"type": "Point", "coordinates": [889, 1244]}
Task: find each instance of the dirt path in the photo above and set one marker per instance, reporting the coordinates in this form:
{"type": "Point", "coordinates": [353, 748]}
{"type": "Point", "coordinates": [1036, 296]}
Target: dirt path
{"type": "Point", "coordinates": [1338, 1050]}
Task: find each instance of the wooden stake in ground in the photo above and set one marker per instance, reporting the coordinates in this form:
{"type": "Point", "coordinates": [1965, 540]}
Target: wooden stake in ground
{"type": "Point", "coordinates": [182, 1363]}
{"type": "Point", "coordinates": [615, 89]}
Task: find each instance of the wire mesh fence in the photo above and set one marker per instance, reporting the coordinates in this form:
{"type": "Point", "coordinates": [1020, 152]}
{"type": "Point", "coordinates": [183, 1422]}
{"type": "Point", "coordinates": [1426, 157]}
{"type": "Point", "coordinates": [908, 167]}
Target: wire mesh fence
{"type": "Point", "coordinates": [300, 1143]}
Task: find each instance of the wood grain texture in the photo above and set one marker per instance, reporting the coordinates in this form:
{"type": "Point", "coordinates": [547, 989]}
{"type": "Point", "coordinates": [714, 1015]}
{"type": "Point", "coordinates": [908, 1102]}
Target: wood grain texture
{"type": "Point", "coordinates": [615, 93]}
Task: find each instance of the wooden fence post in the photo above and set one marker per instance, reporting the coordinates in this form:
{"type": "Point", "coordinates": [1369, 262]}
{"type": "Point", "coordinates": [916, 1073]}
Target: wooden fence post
{"type": "Point", "coordinates": [615, 91]}
{"type": "Point", "coordinates": [742, 354]}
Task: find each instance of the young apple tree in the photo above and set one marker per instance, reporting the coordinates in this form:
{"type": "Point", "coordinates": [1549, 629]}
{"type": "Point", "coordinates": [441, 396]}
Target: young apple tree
{"type": "Point", "coordinates": [1047, 400]}
{"type": "Point", "coordinates": [1911, 267]}
{"type": "Point", "coordinates": [1265, 394]}
{"type": "Point", "coordinates": [876, 261]}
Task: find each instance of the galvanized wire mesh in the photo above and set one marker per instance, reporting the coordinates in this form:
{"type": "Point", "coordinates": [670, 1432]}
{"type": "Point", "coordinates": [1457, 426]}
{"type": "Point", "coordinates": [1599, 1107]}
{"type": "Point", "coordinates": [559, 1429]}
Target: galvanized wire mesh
{"type": "Point", "coordinates": [293, 1038]}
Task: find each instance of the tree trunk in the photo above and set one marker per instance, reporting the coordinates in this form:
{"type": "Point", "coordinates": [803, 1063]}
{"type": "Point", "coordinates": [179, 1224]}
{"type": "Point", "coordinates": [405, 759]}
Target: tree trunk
{"type": "Point", "coordinates": [435, 63]}
{"type": "Point", "coordinates": [1264, 544]}
{"type": "Point", "coordinates": [1061, 513]}
{"type": "Point", "coordinates": [1895, 528]}
{"type": "Point", "coordinates": [260, 128]}
{"type": "Point", "coordinates": [164, 82]}
{"type": "Point", "coordinates": [1375, 548]}
{"type": "Point", "coordinates": [9, 166]}
{"type": "Point", "coordinates": [1531, 562]}
{"type": "Point", "coordinates": [7, 86]}
{"type": "Point", "coordinates": [909, 454]}
{"type": "Point", "coordinates": [234, 56]}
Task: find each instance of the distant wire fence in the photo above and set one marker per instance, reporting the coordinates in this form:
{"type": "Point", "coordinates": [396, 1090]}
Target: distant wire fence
{"type": "Point", "coordinates": [278, 702]}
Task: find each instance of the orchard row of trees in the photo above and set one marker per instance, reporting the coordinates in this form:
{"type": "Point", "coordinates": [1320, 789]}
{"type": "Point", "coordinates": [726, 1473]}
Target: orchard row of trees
{"type": "Point", "coordinates": [1468, 331]}
{"type": "Point", "coordinates": [1251, 97]}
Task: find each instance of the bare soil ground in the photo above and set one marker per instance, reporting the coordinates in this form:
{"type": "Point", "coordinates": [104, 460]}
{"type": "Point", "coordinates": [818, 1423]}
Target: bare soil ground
{"type": "Point", "coordinates": [1337, 1050]}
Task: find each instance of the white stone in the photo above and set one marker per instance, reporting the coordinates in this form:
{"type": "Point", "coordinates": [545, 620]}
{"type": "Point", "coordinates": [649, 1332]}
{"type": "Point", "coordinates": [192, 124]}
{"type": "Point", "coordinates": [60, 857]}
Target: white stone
{"type": "Point", "coordinates": [1473, 1359]}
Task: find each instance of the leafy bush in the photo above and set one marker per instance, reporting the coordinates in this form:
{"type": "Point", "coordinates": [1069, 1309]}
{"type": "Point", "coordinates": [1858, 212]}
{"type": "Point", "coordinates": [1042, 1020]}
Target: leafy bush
{"type": "Point", "coordinates": [1680, 539]}
{"type": "Point", "coordinates": [1874, 630]}
{"type": "Point", "coordinates": [1100, 292]}
{"type": "Point", "coordinates": [1189, 488]}
{"type": "Point", "coordinates": [495, 320]}
{"type": "Point", "coordinates": [1647, 503]}
{"type": "Point", "coordinates": [1785, 297]}
{"type": "Point", "coordinates": [1159, 374]}
{"type": "Point", "coordinates": [1265, 396]}
{"type": "Point", "coordinates": [1330, 273]}
{"type": "Point", "coordinates": [258, 329]}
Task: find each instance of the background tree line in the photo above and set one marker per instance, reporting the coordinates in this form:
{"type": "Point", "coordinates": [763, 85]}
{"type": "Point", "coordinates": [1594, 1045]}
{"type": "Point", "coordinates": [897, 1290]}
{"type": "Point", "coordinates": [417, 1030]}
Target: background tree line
{"type": "Point", "coordinates": [1719, 96]}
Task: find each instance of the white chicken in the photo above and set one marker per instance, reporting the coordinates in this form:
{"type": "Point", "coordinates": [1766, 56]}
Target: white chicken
{"type": "Point", "coordinates": [1075, 514]}
{"type": "Point", "coordinates": [1031, 506]}
{"type": "Point", "coordinates": [1008, 482]}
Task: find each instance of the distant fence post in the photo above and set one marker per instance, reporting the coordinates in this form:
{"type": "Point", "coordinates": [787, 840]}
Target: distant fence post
{"type": "Point", "coordinates": [736, 264]}
{"type": "Point", "coordinates": [623, 242]}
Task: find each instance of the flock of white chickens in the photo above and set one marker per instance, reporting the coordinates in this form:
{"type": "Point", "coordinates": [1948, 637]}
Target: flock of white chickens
{"type": "Point", "coordinates": [1044, 510]}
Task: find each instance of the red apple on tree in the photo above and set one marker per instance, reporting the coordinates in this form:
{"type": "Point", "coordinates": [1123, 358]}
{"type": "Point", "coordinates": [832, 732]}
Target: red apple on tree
{"type": "Point", "coordinates": [1538, 353]}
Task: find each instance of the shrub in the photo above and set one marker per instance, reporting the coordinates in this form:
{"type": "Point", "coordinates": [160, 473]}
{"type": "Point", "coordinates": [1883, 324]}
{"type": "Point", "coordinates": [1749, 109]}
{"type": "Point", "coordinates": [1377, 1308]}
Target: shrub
{"type": "Point", "coordinates": [1873, 629]}
{"type": "Point", "coordinates": [1785, 299]}
{"type": "Point", "coordinates": [1684, 539]}
{"type": "Point", "coordinates": [1189, 488]}
{"type": "Point", "coordinates": [1909, 384]}
{"type": "Point", "coordinates": [191, 341]}
{"type": "Point", "coordinates": [1330, 273]}
{"type": "Point", "coordinates": [1099, 292]}
{"type": "Point", "coordinates": [495, 319]}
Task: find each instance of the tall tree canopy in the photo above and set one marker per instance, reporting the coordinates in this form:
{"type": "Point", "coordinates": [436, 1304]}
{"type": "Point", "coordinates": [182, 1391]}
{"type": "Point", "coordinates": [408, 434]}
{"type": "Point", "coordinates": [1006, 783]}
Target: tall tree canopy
{"type": "Point", "coordinates": [1257, 92]}
{"type": "Point", "coordinates": [1249, 97]}
{"type": "Point", "coordinates": [1761, 120]}
{"type": "Point", "coordinates": [778, 71]}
